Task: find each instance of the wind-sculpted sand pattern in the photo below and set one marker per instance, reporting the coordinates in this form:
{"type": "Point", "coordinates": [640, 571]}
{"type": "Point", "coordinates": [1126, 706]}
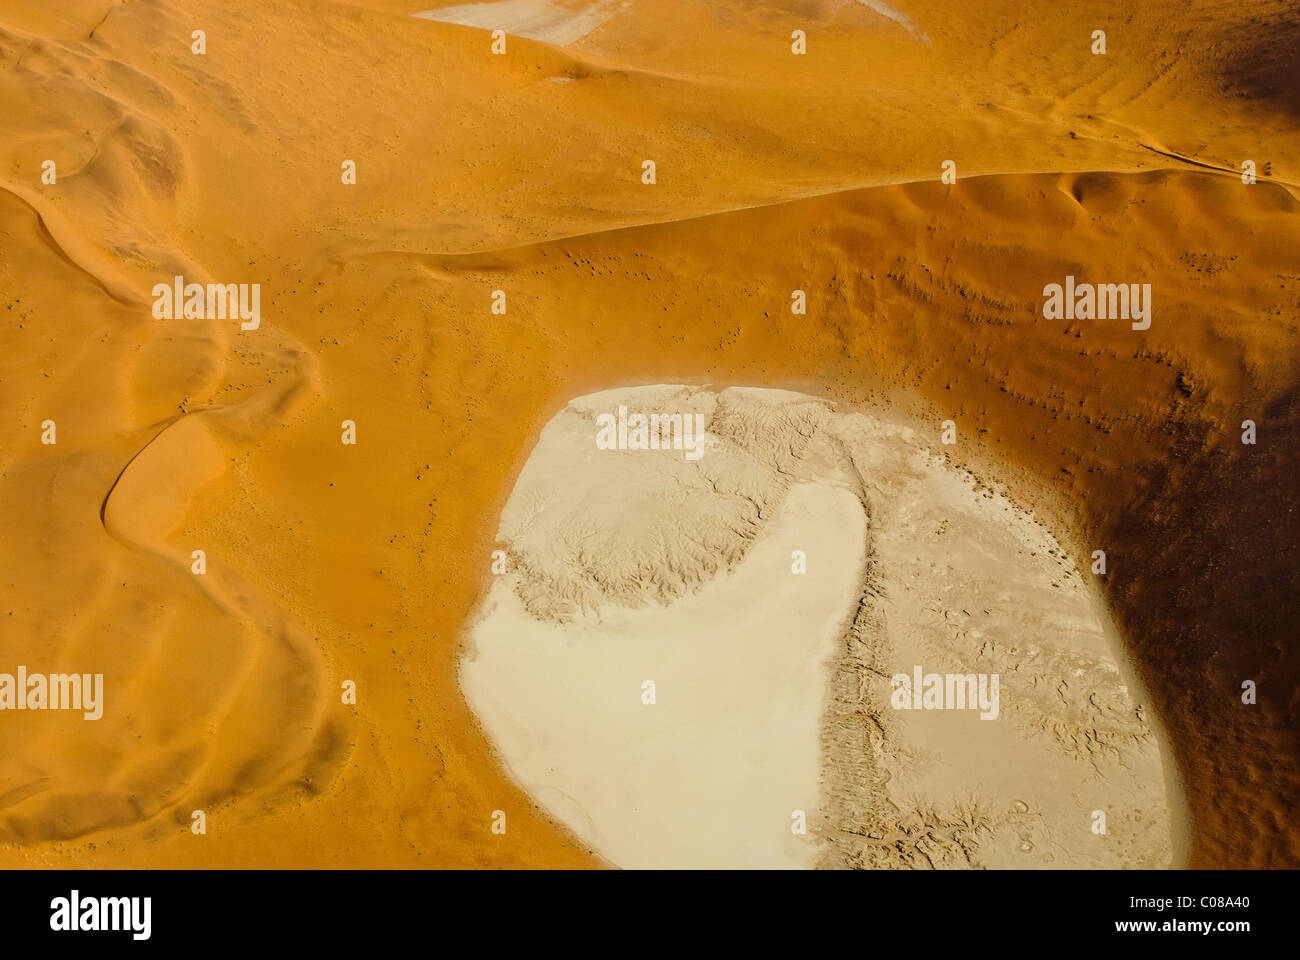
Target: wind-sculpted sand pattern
{"type": "Point", "coordinates": [450, 244]}
{"type": "Point", "coordinates": [219, 694]}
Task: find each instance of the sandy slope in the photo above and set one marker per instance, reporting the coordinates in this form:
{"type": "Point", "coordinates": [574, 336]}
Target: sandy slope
{"type": "Point", "coordinates": [330, 563]}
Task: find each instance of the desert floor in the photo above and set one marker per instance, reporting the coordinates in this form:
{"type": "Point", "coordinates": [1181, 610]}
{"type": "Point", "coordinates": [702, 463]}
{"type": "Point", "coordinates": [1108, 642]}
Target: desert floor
{"type": "Point", "coordinates": [714, 654]}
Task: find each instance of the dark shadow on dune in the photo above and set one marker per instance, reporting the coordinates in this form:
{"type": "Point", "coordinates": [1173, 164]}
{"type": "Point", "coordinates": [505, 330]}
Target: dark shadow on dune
{"type": "Point", "coordinates": [1214, 606]}
{"type": "Point", "coordinates": [1264, 62]}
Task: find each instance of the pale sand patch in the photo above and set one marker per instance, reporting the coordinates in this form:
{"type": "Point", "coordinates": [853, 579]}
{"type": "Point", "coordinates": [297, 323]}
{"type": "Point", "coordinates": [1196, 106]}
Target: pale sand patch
{"type": "Point", "coordinates": [900, 18]}
{"type": "Point", "coordinates": [549, 21]}
{"type": "Point", "coordinates": [632, 565]}
{"type": "Point", "coordinates": [711, 773]}
{"type": "Point", "coordinates": [963, 582]}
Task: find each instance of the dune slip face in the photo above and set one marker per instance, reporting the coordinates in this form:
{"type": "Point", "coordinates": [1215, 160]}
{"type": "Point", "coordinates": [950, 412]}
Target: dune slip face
{"type": "Point", "coordinates": [957, 528]}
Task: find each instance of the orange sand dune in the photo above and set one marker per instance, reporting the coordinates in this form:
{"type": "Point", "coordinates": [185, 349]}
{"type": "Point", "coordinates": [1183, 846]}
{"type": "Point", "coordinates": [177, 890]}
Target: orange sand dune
{"type": "Point", "coordinates": [330, 563]}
